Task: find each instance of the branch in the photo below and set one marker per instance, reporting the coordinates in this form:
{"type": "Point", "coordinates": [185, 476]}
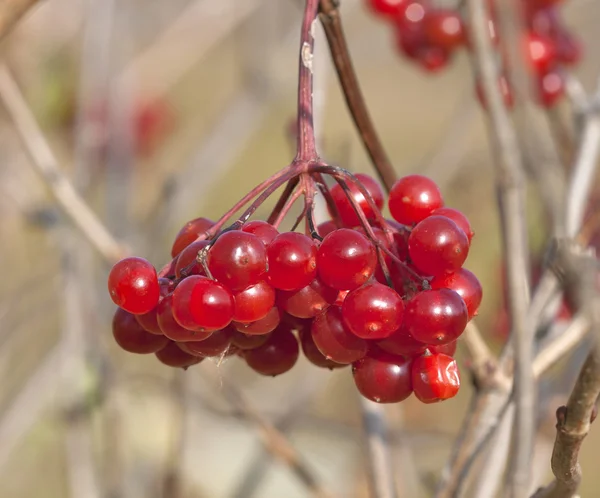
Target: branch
{"type": "Point", "coordinates": [510, 186]}
{"type": "Point", "coordinates": [11, 12]}
{"type": "Point", "coordinates": [332, 24]}
{"type": "Point", "coordinates": [46, 165]}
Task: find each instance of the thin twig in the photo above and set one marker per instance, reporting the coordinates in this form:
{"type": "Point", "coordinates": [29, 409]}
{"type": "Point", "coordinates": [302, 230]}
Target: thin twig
{"type": "Point", "coordinates": [381, 475]}
{"type": "Point", "coordinates": [11, 12]}
{"type": "Point", "coordinates": [332, 24]}
{"type": "Point", "coordinates": [46, 165]}
{"type": "Point", "coordinates": [510, 186]}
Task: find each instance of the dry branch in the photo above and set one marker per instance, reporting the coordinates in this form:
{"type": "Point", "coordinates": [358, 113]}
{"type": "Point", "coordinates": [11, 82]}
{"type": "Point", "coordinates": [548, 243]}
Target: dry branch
{"type": "Point", "coordinates": [11, 12]}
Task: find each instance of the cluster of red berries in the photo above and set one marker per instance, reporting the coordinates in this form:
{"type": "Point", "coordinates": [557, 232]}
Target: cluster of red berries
{"type": "Point", "coordinates": [391, 300]}
{"type": "Point", "coordinates": [429, 35]}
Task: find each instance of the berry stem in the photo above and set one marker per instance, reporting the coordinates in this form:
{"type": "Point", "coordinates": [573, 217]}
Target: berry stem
{"type": "Point", "coordinates": [285, 195]}
{"type": "Point", "coordinates": [288, 205]}
{"type": "Point", "coordinates": [332, 24]}
{"type": "Point", "coordinates": [306, 146]}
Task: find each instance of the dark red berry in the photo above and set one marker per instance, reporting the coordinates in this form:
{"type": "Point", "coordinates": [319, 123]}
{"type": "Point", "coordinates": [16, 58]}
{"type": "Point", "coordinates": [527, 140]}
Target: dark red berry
{"type": "Point", "coordinates": [437, 246]}
{"type": "Point", "coordinates": [253, 303]}
{"type": "Point", "coordinates": [435, 316]}
{"type": "Point", "coordinates": [187, 263]}
{"type": "Point", "coordinates": [466, 284]}
{"type": "Point", "coordinates": [346, 259]}
{"type": "Point", "coordinates": [173, 356]}
{"type": "Point", "coordinates": [312, 353]}
{"type": "Point", "coordinates": [344, 206]}
{"type": "Point", "coordinates": [333, 338]}
{"type": "Point", "coordinates": [400, 342]}
{"type": "Point", "coordinates": [309, 301]}
{"type": "Point", "coordinates": [133, 285]}
{"type": "Point", "coordinates": [171, 329]}
{"type": "Point", "coordinates": [382, 377]}
{"type": "Point", "coordinates": [189, 233]}
{"type": "Point", "coordinates": [246, 342]}
{"type": "Point", "coordinates": [265, 325]}
{"type": "Point", "coordinates": [276, 356]}
{"type": "Point", "coordinates": [130, 335]}
{"type": "Point", "coordinates": [215, 345]}
{"type": "Point", "coordinates": [373, 311]}
{"type": "Point", "coordinates": [444, 28]}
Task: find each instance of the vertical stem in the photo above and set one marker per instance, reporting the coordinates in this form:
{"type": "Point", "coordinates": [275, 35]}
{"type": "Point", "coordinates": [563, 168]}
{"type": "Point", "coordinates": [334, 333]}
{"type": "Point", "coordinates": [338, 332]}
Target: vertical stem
{"type": "Point", "coordinates": [306, 135]}
{"type": "Point", "coordinates": [511, 189]}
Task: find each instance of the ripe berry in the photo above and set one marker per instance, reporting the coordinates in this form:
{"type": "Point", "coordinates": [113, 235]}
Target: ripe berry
{"type": "Point", "coordinates": [333, 338]}
{"type": "Point", "coordinates": [253, 303]}
{"type": "Point", "coordinates": [189, 233]}
{"type": "Point", "coordinates": [292, 260]}
{"type": "Point", "coordinates": [133, 285]}
{"type": "Point", "coordinates": [457, 217]}
{"type": "Point", "coordinates": [237, 259]}
{"type": "Point", "coordinates": [276, 356]}
{"type": "Point", "coordinates": [382, 377]}
{"type": "Point", "coordinates": [437, 246]}
{"type": "Point", "coordinates": [171, 329]}
{"type": "Point", "coordinates": [411, 15]}
{"type": "Point", "coordinates": [130, 335]}
{"type": "Point", "coordinates": [173, 356]}
{"type": "Point", "coordinates": [435, 377]}
{"type": "Point", "coordinates": [435, 316]}
{"type": "Point", "coordinates": [346, 259]}
{"type": "Point", "coordinates": [344, 206]}
{"type": "Point", "coordinates": [400, 342]}
{"type": "Point", "coordinates": [433, 58]}
{"type": "Point", "coordinates": [263, 230]}
{"type": "Point", "coordinates": [309, 301]}
{"type": "Point", "coordinates": [265, 325]}
{"type": "Point", "coordinates": [215, 345]}
{"type": "Point", "coordinates": [187, 263]}
{"type": "Point", "coordinates": [447, 349]}
{"type": "Point", "coordinates": [326, 227]}
{"type": "Point", "coordinates": [149, 322]}
{"type": "Point", "coordinates": [373, 311]}
{"type": "Point", "coordinates": [541, 52]}
{"type": "Point", "coordinates": [568, 48]}
{"type": "Point", "coordinates": [413, 198]}
{"type": "Point", "coordinates": [551, 88]}
{"type": "Point", "coordinates": [465, 284]}
{"type": "Point", "coordinates": [201, 303]}
{"type": "Point", "coordinates": [246, 342]}
{"type": "Point", "coordinates": [444, 28]}
{"type": "Point", "coordinates": [387, 8]}
{"type": "Point", "coordinates": [312, 353]}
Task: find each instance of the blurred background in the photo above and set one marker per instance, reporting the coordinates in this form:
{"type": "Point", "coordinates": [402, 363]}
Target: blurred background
{"type": "Point", "coordinates": [160, 112]}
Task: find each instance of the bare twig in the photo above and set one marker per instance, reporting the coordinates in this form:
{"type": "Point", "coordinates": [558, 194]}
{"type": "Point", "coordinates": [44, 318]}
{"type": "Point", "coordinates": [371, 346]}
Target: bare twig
{"type": "Point", "coordinates": [381, 475]}
{"type": "Point", "coordinates": [11, 11]}
{"type": "Point", "coordinates": [46, 165]}
{"type": "Point", "coordinates": [332, 24]}
{"type": "Point", "coordinates": [510, 186]}
{"type": "Point", "coordinates": [483, 362]}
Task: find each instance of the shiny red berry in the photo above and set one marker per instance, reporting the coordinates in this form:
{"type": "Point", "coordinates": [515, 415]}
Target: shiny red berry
{"type": "Point", "coordinates": [133, 285]}
{"type": "Point", "coordinates": [413, 198]}
{"type": "Point", "coordinates": [292, 260]}
{"type": "Point", "coordinates": [263, 230]}
{"type": "Point", "coordinates": [444, 28]}
{"type": "Point", "coordinates": [309, 301]}
{"type": "Point", "coordinates": [189, 233]}
{"type": "Point", "coordinates": [465, 284]}
{"type": "Point", "coordinates": [344, 206]}
{"type": "Point", "coordinates": [253, 303]}
{"type": "Point", "coordinates": [171, 329]}
{"type": "Point", "coordinates": [131, 337]}
{"type": "Point", "coordinates": [217, 344]}
{"type": "Point", "coordinates": [382, 377]}
{"type": "Point", "coordinates": [276, 356]}
{"type": "Point", "coordinates": [173, 356]}
{"type": "Point", "coordinates": [457, 217]}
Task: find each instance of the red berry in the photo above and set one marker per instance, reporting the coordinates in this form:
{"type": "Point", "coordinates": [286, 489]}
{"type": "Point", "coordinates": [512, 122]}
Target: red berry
{"type": "Point", "coordinates": [344, 206]}
{"type": "Point", "coordinates": [253, 303]}
{"type": "Point", "coordinates": [373, 311]}
{"type": "Point", "coordinates": [263, 230]}
{"type": "Point", "coordinates": [246, 342]}
{"type": "Point", "coordinates": [447, 349]}
{"type": "Point", "coordinates": [189, 233]}
{"type": "Point", "coordinates": [465, 284]}
{"type": "Point", "coordinates": [276, 356]}
{"type": "Point", "coordinates": [457, 217]}
{"type": "Point", "coordinates": [215, 345]}
{"type": "Point", "coordinates": [346, 259]}
{"type": "Point", "coordinates": [333, 338]}
{"type": "Point", "coordinates": [130, 335]}
{"type": "Point", "coordinates": [201, 303]}
{"type": "Point", "coordinates": [133, 285]}
{"type": "Point", "coordinates": [326, 227]}
{"type": "Point", "coordinates": [265, 325]}
{"type": "Point", "coordinates": [444, 28]}
{"type": "Point", "coordinates": [411, 15]}
{"type": "Point", "coordinates": [187, 263]}
{"type": "Point", "coordinates": [382, 377]}
{"type": "Point", "coordinates": [312, 353]}
{"type": "Point", "coordinates": [437, 246]}
{"type": "Point", "coordinates": [413, 198]}
{"type": "Point", "coordinates": [237, 259]}
{"type": "Point", "coordinates": [435, 316]}
{"type": "Point", "coordinates": [568, 48]}
{"type": "Point", "coordinates": [435, 377]}
{"type": "Point", "coordinates": [400, 342]}
{"type": "Point", "coordinates": [551, 88]}
{"type": "Point", "coordinates": [292, 260]}
{"type": "Point", "coordinates": [433, 58]}
{"type": "Point", "coordinates": [173, 356]}
{"type": "Point", "coordinates": [387, 8]}
{"type": "Point", "coordinates": [309, 301]}
{"type": "Point", "coordinates": [541, 52]}
{"type": "Point", "coordinates": [149, 322]}
{"type": "Point", "coordinates": [171, 329]}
